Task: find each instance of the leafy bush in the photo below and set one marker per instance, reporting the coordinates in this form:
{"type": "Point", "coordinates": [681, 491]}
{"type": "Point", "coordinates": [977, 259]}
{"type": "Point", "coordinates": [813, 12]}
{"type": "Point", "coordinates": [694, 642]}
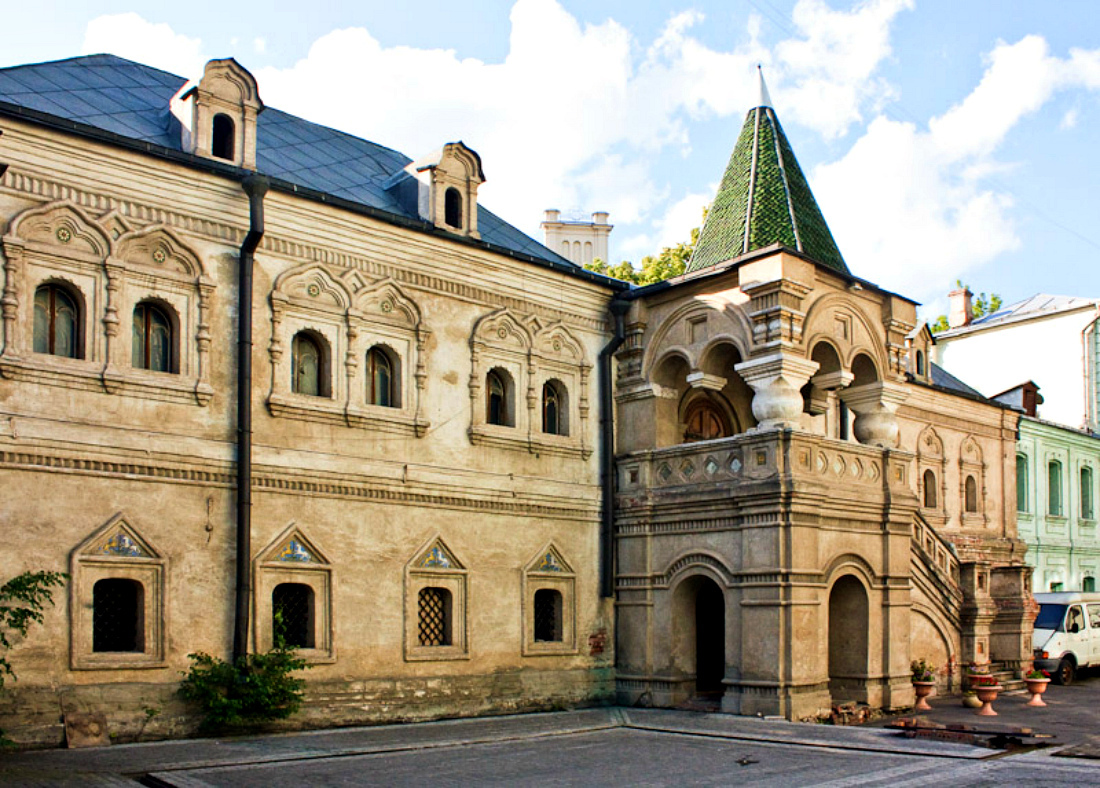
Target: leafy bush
{"type": "Point", "coordinates": [257, 688]}
{"type": "Point", "coordinates": [22, 600]}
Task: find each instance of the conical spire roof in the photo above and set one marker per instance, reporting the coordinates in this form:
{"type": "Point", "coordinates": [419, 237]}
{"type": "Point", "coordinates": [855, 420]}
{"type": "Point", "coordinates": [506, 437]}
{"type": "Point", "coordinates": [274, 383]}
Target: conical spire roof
{"type": "Point", "coordinates": [764, 199]}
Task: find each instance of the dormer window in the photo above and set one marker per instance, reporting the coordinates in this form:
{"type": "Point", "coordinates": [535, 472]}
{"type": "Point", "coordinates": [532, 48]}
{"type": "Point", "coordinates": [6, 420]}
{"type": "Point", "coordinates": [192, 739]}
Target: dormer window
{"type": "Point", "coordinates": [453, 208]}
{"type": "Point", "coordinates": [218, 114]}
{"type": "Point", "coordinates": [222, 137]}
{"type": "Point", "coordinates": [920, 363]}
{"type": "Point", "coordinates": [441, 188]}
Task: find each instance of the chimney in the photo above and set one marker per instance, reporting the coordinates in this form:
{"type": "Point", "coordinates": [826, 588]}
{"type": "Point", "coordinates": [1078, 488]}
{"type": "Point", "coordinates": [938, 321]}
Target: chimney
{"type": "Point", "coordinates": [962, 311]}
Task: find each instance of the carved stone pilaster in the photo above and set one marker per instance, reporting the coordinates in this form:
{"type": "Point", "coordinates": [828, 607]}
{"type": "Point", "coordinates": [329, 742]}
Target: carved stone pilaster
{"type": "Point", "coordinates": [9, 303]}
{"type": "Point", "coordinates": [875, 406]}
{"type": "Point", "coordinates": [777, 381]}
{"type": "Point", "coordinates": [279, 383]}
{"type": "Point", "coordinates": [421, 375]}
{"type": "Point", "coordinates": [112, 379]}
{"type": "Point", "coordinates": [204, 392]}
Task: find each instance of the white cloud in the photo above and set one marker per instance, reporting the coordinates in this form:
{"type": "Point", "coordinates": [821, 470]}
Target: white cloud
{"type": "Point", "coordinates": [915, 209]}
{"type": "Point", "coordinates": [672, 227]}
{"type": "Point", "coordinates": [129, 36]}
{"type": "Point", "coordinates": [831, 65]}
{"type": "Point", "coordinates": [574, 114]}
{"type": "Point", "coordinates": [259, 45]}
{"type": "Point", "coordinates": [1069, 120]}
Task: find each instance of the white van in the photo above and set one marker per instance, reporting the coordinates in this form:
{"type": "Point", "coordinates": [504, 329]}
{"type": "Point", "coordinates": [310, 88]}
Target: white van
{"type": "Point", "coordinates": [1067, 634]}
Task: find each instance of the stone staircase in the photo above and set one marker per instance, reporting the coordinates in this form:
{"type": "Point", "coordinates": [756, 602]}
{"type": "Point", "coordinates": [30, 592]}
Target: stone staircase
{"type": "Point", "coordinates": [1006, 678]}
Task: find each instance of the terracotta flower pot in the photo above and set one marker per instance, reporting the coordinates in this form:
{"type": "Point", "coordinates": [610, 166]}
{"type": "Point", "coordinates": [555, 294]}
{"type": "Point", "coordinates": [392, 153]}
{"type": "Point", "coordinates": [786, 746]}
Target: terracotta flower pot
{"type": "Point", "coordinates": [1036, 687]}
{"type": "Point", "coordinates": [923, 689]}
{"type": "Point", "coordinates": [987, 694]}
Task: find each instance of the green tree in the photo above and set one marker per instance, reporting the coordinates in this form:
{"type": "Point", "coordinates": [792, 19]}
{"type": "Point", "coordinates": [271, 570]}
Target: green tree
{"type": "Point", "coordinates": [980, 307]}
{"type": "Point", "coordinates": [22, 600]}
{"type": "Point", "coordinates": [672, 261]}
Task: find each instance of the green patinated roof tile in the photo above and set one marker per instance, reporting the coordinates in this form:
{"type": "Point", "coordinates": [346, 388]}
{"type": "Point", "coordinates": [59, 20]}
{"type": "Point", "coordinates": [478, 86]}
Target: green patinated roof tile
{"type": "Point", "coordinates": [781, 209]}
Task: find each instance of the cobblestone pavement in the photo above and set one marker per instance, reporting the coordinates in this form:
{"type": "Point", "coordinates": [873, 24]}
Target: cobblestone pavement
{"type": "Point", "coordinates": [645, 747]}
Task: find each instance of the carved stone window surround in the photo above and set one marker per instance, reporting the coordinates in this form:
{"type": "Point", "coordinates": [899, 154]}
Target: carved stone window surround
{"type": "Point", "coordinates": [352, 316]}
{"type": "Point", "coordinates": [435, 566]}
{"type": "Point", "coordinates": [293, 557]}
{"type": "Point", "coordinates": [548, 570]}
{"type": "Point", "coordinates": [117, 550]}
{"type": "Point", "coordinates": [532, 354]}
{"type": "Point", "coordinates": [107, 267]}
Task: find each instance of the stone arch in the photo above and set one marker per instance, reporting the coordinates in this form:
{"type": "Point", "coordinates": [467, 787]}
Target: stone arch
{"type": "Point", "coordinates": [158, 248]}
{"type": "Point", "coordinates": [849, 616]}
{"type": "Point", "coordinates": [816, 326]}
{"type": "Point", "coordinates": [311, 285]}
{"type": "Point", "coordinates": [385, 301]}
{"type": "Point", "coordinates": [864, 369]}
{"type": "Point", "coordinates": [502, 329]}
{"type": "Point", "coordinates": [697, 561]}
{"type": "Point", "coordinates": [557, 341]}
{"type": "Point", "coordinates": [63, 226]}
{"type": "Point", "coordinates": [698, 623]}
{"type": "Point", "coordinates": [853, 564]}
{"type": "Point", "coordinates": [740, 336]}
{"type": "Point", "coordinates": [924, 624]}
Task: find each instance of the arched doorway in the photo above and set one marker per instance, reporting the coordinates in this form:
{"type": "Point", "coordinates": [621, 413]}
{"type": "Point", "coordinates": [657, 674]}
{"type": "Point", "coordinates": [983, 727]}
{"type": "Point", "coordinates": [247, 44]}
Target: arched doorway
{"type": "Point", "coordinates": [848, 640]}
{"type": "Point", "coordinates": [699, 624]}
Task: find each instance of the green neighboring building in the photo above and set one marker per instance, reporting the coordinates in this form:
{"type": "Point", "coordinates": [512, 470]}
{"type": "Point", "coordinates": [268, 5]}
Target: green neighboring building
{"type": "Point", "coordinates": [1056, 476]}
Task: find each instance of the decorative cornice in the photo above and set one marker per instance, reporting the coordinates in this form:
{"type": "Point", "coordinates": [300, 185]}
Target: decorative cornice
{"type": "Point", "coordinates": [277, 480]}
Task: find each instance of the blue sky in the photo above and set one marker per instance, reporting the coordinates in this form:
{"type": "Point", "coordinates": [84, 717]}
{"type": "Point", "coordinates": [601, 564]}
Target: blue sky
{"type": "Point", "coordinates": [942, 139]}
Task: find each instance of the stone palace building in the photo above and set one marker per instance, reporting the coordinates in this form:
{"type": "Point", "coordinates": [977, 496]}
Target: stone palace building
{"type": "Point", "coordinates": [253, 369]}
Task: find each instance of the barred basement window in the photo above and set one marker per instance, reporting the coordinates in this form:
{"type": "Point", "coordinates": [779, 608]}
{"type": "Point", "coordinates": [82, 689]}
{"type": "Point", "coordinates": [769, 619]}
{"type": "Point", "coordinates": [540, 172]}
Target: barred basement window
{"type": "Point", "coordinates": [548, 615]}
{"type": "Point", "coordinates": [434, 616]}
{"type": "Point", "coordinates": [118, 607]}
{"type": "Point", "coordinates": [292, 614]}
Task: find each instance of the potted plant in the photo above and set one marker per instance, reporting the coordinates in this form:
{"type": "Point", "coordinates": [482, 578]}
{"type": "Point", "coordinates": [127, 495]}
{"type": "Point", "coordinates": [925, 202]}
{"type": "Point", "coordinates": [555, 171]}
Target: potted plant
{"type": "Point", "coordinates": [923, 679]}
{"type": "Point", "coordinates": [986, 688]}
{"type": "Point", "coordinates": [1036, 681]}
{"type": "Point", "coordinates": [970, 700]}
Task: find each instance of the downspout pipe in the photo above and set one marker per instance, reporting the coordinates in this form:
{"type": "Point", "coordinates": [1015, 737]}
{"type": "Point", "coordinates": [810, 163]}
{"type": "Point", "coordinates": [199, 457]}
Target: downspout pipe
{"type": "Point", "coordinates": [255, 186]}
{"type": "Point", "coordinates": [618, 309]}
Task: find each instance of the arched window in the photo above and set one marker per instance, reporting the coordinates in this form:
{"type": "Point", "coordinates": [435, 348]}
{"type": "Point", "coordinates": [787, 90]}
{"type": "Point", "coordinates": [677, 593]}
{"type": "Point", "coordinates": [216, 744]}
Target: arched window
{"type": "Point", "coordinates": [118, 620]}
{"type": "Point", "coordinates": [152, 339]}
{"type": "Point", "coordinates": [434, 616]}
{"type": "Point", "coordinates": [498, 403]}
{"type": "Point", "coordinates": [452, 207]}
{"type": "Point", "coordinates": [1087, 512]}
{"type": "Point", "coordinates": [548, 618]}
{"type": "Point", "coordinates": [381, 380]}
{"type": "Point", "coordinates": [56, 322]}
{"type": "Point", "coordinates": [1054, 488]}
{"type": "Point", "coordinates": [929, 490]}
{"type": "Point", "coordinates": [920, 362]}
{"type": "Point", "coordinates": [971, 494]}
{"type": "Point", "coordinates": [223, 137]}
{"type": "Point", "coordinates": [1021, 483]}
{"type": "Point", "coordinates": [307, 361]}
{"type": "Point", "coordinates": [555, 411]}
{"type": "Point", "coordinates": [292, 614]}
{"type": "Point", "coordinates": [704, 421]}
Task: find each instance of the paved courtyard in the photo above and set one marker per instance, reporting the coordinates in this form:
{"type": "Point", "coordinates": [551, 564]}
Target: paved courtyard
{"type": "Point", "coordinates": [644, 747]}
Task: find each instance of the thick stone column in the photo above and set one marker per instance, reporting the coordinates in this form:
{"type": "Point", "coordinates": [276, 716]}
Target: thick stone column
{"type": "Point", "coordinates": [777, 382]}
{"type": "Point", "coordinates": [875, 406]}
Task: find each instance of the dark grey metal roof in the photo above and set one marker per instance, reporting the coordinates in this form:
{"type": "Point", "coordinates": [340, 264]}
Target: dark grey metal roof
{"type": "Point", "coordinates": [944, 379]}
{"type": "Point", "coordinates": [131, 100]}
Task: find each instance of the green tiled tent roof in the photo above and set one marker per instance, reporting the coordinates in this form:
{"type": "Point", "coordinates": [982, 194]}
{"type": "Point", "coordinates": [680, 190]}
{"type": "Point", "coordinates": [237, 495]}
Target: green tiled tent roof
{"type": "Point", "coordinates": [764, 199]}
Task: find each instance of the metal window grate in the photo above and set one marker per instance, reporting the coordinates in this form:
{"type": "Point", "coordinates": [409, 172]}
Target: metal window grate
{"type": "Point", "coordinates": [117, 615]}
{"type": "Point", "coordinates": [547, 615]}
{"type": "Point", "coordinates": [292, 614]}
{"type": "Point", "coordinates": [434, 617]}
